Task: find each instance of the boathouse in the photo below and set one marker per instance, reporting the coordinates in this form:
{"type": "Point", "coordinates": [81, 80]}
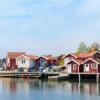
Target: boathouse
{"type": "Point", "coordinates": [83, 62]}
{"type": "Point", "coordinates": [46, 61]}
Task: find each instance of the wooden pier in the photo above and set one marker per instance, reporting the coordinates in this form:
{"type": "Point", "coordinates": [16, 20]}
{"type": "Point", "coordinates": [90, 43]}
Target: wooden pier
{"type": "Point", "coordinates": [85, 76]}
{"type": "Point", "coordinates": [11, 74]}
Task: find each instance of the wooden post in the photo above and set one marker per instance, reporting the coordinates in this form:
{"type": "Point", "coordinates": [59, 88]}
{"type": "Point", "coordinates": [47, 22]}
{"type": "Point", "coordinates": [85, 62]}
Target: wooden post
{"type": "Point", "coordinates": [97, 77]}
{"type": "Point", "coordinates": [79, 77]}
{"type": "Point", "coordinates": [97, 88]}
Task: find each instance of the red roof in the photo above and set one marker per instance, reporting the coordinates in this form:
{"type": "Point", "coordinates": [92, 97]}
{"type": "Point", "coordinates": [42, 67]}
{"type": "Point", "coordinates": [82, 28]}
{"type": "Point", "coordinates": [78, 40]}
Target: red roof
{"type": "Point", "coordinates": [84, 55]}
{"type": "Point", "coordinates": [31, 56]}
{"type": "Point", "coordinates": [14, 55]}
{"type": "Point", "coordinates": [48, 57]}
{"type": "Point", "coordinates": [79, 61]}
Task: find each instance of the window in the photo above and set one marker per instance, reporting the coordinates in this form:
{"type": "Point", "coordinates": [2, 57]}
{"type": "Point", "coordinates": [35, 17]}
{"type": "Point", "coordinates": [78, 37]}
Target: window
{"type": "Point", "coordinates": [23, 61]}
{"type": "Point", "coordinates": [41, 60]}
{"type": "Point", "coordinates": [93, 65]}
{"type": "Point", "coordinates": [87, 65]}
{"type": "Point", "coordinates": [69, 65]}
{"type": "Point", "coordinates": [70, 58]}
{"type": "Point", "coordinates": [74, 66]}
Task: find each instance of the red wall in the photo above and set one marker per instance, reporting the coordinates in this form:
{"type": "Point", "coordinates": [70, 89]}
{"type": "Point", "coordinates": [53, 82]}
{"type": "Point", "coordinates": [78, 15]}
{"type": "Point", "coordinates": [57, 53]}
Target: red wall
{"type": "Point", "coordinates": [99, 68]}
{"type": "Point", "coordinates": [12, 64]}
{"type": "Point", "coordinates": [74, 70]}
{"type": "Point", "coordinates": [91, 69]}
{"type": "Point", "coordinates": [49, 62]}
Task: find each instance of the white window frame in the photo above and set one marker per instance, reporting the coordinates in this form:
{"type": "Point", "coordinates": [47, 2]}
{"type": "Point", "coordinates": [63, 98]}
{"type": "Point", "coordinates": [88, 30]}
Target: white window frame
{"type": "Point", "coordinates": [74, 66]}
{"type": "Point", "coordinates": [93, 66]}
{"type": "Point", "coordinates": [87, 65]}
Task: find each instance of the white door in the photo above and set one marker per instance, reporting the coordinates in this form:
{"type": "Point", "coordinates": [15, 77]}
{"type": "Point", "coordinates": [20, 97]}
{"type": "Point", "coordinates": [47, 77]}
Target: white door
{"type": "Point", "coordinates": [69, 68]}
{"type": "Point", "coordinates": [86, 67]}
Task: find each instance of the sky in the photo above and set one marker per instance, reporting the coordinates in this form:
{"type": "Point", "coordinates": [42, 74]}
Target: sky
{"type": "Point", "coordinates": [48, 26]}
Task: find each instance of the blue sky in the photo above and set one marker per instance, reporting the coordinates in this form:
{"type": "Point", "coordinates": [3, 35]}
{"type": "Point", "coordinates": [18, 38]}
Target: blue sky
{"type": "Point", "coordinates": [48, 26]}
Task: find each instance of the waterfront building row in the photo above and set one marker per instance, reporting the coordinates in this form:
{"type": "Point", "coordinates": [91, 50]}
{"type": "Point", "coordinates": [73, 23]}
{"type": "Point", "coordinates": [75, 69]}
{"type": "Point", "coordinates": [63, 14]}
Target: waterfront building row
{"type": "Point", "coordinates": [73, 62]}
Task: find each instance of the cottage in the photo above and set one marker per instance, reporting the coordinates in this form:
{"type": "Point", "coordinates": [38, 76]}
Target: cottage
{"type": "Point", "coordinates": [26, 62]}
{"type": "Point", "coordinates": [46, 61]}
{"type": "Point", "coordinates": [75, 66]}
{"type": "Point", "coordinates": [81, 56]}
{"type": "Point", "coordinates": [83, 62]}
{"type": "Point", "coordinates": [69, 57]}
{"type": "Point", "coordinates": [11, 60]}
{"type": "Point", "coordinates": [91, 65]}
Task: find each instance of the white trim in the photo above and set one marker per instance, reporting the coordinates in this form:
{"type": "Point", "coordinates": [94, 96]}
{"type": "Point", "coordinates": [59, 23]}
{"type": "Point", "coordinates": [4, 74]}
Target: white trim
{"type": "Point", "coordinates": [86, 68]}
{"type": "Point", "coordinates": [90, 59]}
{"type": "Point", "coordinates": [69, 54]}
{"type": "Point", "coordinates": [93, 66]}
{"type": "Point", "coordinates": [42, 57]}
{"type": "Point", "coordinates": [78, 69]}
{"type": "Point", "coordinates": [22, 56]}
{"type": "Point", "coordinates": [73, 61]}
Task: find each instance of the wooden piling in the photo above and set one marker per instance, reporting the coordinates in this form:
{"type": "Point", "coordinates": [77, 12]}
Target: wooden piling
{"type": "Point", "coordinates": [97, 77]}
{"type": "Point", "coordinates": [79, 76]}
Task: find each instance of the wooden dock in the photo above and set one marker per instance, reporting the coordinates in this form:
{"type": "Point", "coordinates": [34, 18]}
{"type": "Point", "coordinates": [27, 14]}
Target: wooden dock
{"type": "Point", "coordinates": [12, 74]}
{"type": "Point", "coordinates": [85, 76]}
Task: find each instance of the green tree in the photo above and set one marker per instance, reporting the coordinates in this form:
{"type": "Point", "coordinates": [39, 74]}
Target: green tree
{"type": "Point", "coordinates": [95, 46]}
{"type": "Point", "coordinates": [82, 48]}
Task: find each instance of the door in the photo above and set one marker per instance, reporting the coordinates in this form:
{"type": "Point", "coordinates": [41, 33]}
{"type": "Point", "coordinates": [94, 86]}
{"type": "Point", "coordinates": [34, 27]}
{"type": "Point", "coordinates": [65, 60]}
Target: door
{"type": "Point", "coordinates": [69, 68]}
{"type": "Point", "coordinates": [86, 67]}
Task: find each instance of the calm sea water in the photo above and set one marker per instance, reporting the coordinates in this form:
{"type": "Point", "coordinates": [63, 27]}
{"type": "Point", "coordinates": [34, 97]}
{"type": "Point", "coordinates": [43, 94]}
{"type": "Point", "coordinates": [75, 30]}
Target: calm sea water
{"type": "Point", "coordinates": [22, 89]}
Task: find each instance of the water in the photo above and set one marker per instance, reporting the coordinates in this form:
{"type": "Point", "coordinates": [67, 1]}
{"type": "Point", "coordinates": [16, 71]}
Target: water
{"type": "Point", "coordinates": [23, 89]}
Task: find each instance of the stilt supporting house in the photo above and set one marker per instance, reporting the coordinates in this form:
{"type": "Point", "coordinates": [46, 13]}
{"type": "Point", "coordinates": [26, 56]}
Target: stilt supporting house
{"type": "Point", "coordinates": [97, 77]}
{"type": "Point", "coordinates": [79, 76]}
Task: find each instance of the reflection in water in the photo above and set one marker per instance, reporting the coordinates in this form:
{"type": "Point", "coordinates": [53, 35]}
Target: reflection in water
{"type": "Point", "coordinates": [47, 90]}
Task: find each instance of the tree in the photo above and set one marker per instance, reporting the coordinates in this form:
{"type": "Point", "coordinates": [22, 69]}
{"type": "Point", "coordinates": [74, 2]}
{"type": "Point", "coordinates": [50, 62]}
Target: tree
{"type": "Point", "coordinates": [82, 48]}
{"type": "Point", "coordinates": [95, 46]}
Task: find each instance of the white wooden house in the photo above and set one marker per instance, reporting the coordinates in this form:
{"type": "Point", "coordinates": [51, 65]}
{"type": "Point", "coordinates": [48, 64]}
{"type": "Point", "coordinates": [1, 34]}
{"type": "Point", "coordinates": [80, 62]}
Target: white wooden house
{"type": "Point", "coordinates": [26, 62]}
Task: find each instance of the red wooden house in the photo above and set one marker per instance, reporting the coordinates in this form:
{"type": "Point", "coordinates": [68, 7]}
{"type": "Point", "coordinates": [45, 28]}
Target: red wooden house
{"type": "Point", "coordinates": [91, 65]}
{"type": "Point", "coordinates": [11, 59]}
{"type": "Point", "coordinates": [83, 62]}
{"type": "Point", "coordinates": [46, 61]}
{"type": "Point", "coordinates": [75, 66]}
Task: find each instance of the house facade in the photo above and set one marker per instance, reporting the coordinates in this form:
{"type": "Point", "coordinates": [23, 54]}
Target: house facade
{"type": "Point", "coordinates": [11, 60]}
{"type": "Point", "coordinates": [91, 66]}
{"type": "Point", "coordinates": [83, 62]}
{"type": "Point", "coordinates": [46, 61]}
{"type": "Point", "coordinates": [26, 62]}
{"type": "Point", "coordinates": [75, 66]}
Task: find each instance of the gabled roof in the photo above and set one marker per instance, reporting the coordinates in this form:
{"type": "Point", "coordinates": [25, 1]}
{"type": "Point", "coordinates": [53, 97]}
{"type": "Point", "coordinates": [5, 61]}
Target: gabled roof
{"type": "Point", "coordinates": [94, 60]}
{"type": "Point", "coordinates": [47, 57]}
{"type": "Point", "coordinates": [14, 55]}
{"type": "Point", "coordinates": [72, 54]}
{"type": "Point", "coordinates": [83, 55]}
{"type": "Point", "coordinates": [87, 54]}
{"type": "Point", "coordinates": [31, 57]}
{"type": "Point", "coordinates": [78, 61]}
